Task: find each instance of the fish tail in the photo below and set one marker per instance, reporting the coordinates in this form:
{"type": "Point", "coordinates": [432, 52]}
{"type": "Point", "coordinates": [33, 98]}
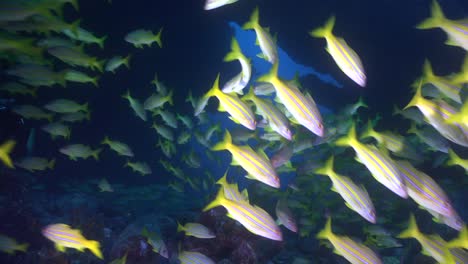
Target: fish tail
{"type": "Point", "coordinates": [180, 228]}
{"type": "Point", "coordinates": [270, 76]}
{"type": "Point", "coordinates": [95, 153]}
{"type": "Point", "coordinates": [227, 141]}
{"type": "Point", "coordinates": [74, 27]}
{"type": "Point", "coordinates": [454, 159]}
{"type": "Point", "coordinates": [169, 98]}
{"type": "Point", "coordinates": [217, 201]}
{"type": "Point", "coordinates": [369, 132]}
{"type": "Point", "coordinates": [22, 247]}
{"type": "Point", "coordinates": [51, 164]}
{"type": "Point", "coordinates": [427, 70]}
{"type": "Point", "coordinates": [94, 247]}
{"type": "Point", "coordinates": [85, 107]}
{"type": "Point", "coordinates": [106, 141]}
{"type": "Point", "coordinates": [416, 98]}
{"type": "Point", "coordinates": [348, 139]}
{"type": "Point", "coordinates": [413, 129]}
{"type": "Point", "coordinates": [101, 42]}
{"type": "Point", "coordinates": [214, 89]}
{"type": "Point", "coordinates": [235, 52]}
{"type": "Point", "coordinates": [327, 169]}
{"type": "Point", "coordinates": [253, 22]}
{"type": "Point", "coordinates": [157, 38]}
{"type": "Point", "coordinates": [325, 31]}
{"type": "Point", "coordinates": [95, 80]}
{"type": "Point", "coordinates": [436, 20]}
{"type": "Point", "coordinates": [461, 241]}
{"type": "Point", "coordinates": [396, 111]}
{"type": "Point", "coordinates": [250, 95]}
{"type": "Point", "coordinates": [126, 62]}
{"type": "Point", "coordinates": [5, 150]}
{"type": "Point", "coordinates": [127, 95]}
{"type": "Point", "coordinates": [326, 232]}
{"type": "Point", "coordinates": [412, 230]}
{"type": "Point", "coordinates": [223, 180]}
{"type": "Point", "coordinates": [361, 103]}
{"type": "Point", "coordinates": [88, 115]}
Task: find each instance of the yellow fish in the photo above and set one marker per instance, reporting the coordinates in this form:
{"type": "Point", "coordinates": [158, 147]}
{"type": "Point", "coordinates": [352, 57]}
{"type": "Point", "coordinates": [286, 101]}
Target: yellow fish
{"type": "Point", "coordinates": [5, 150]}
{"type": "Point", "coordinates": [345, 57]}
{"type": "Point", "coordinates": [455, 29]}
{"type": "Point", "coordinates": [239, 111]}
{"type": "Point", "coordinates": [65, 237]}
{"type": "Point", "coordinates": [257, 166]}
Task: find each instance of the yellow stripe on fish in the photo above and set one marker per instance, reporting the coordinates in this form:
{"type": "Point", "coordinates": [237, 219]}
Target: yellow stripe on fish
{"type": "Point", "coordinates": [253, 218]}
{"type": "Point", "coordinates": [380, 165]}
{"type": "Point", "coordinates": [301, 107]}
{"type": "Point", "coordinates": [345, 57]}
{"type": "Point", "coordinates": [239, 111]}
{"type": "Point", "coordinates": [348, 248]}
{"type": "Point", "coordinates": [257, 166]}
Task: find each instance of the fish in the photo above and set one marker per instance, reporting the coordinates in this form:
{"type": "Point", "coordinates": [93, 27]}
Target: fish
{"type": "Point", "coordinates": [158, 100]}
{"type": "Point", "coordinates": [65, 106]}
{"type": "Point", "coordinates": [285, 216]}
{"type": "Point", "coordinates": [57, 129]}
{"type": "Point", "coordinates": [80, 77]}
{"type": "Point", "coordinates": [231, 190]}
{"type": "Point", "coordinates": [302, 107]}
{"type": "Point", "coordinates": [424, 190]}
{"type": "Point", "coordinates": [164, 131]}
{"type": "Point", "coordinates": [140, 167]}
{"type": "Point", "coordinates": [239, 111]}
{"type": "Point", "coordinates": [461, 241]}
{"type": "Point", "coordinates": [32, 164]}
{"type": "Point", "coordinates": [433, 246]}
{"type": "Point", "coordinates": [436, 114]}
{"type": "Point", "coordinates": [264, 39]}
{"type": "Point", "coordinates": [168, 117]}
{"type": "Point", "coordinates": [253, 218]}
{"type": "Point", "coordinates": [76, 57]}
{"type": "Point", "coordinates": [352, 251]}
{"type": "Point", "coordinates": [15, 88]}
{"type": "Point", "coordinates": [32, 112]}
{"type": "Point", "coordinates": [356, 197]}
{"type": "Point", "coordinates": [76, 151]}
{"type": "Point", "coordinates": [257, 166]}
{"type": "Point", "coordinates": [240, 81]}
{"type": "Point", "coordinates": [454, 159]}
{"type": "Point", "coordinates": [76, 117]}
{"type": "Point", "coordinates": [10, 246]}
{"type": "Point", "coordinates": [5, 149]}
{"type": "Point", "coordinates": [379, 165]}
{"type": "Point", "coordinates": [142, 37]}
{"type": "Point", "coordinates": [85, 36]}
{"type": "Point", "coordinates": [277, 121]}
{"type": "Point", "coordinates": [431, 137]}
{"type": "Point", "coordinates": [37, 75]}
{"type": "Point", "coordinates": [64, 236]}
{"type": "Point", "coordinates": [115, 62]}
{"type": "Point", "coordinates": [345, 57]}
{"type": "Point", "coordinates": [461, 117]}
{"type": "Point", "coordinates": [155, 240]}
{"type": "Point", "coordinates": [136, 106]}
{"type": "Point", "coordinates": [455, 29]}
{"type": "Point", "coordinates": [192, 257]}
{"type": "Point", "coordinates": [195, 230]}
{"type": "Point", "coordinates": [119, 147]}
{"type": "Point", "coordinates": [213, 4]}
{"type": "Point", "coordinates": [104, 186]}
{"type": "Point", "coordinates": [445, 86]}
